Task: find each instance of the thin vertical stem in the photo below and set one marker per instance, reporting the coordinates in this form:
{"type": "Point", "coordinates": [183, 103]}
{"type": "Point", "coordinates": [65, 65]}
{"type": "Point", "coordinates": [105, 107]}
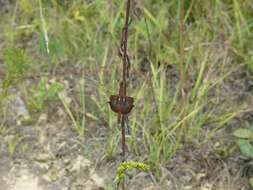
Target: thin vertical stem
{"type": "Point", "coordinates": [181, 65]}
{"type": "Point", "coordinates": [124, 41]}
{"type": "Point", "coordinates": [181, 44]}
{"type": "Point", "coordinates": [123, 141]}
{"type": "Point", "coordinates": [126, 65]}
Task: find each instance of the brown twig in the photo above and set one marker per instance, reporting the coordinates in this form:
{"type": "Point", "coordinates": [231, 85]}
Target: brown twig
{"type": "Point", "coordinates": [126, 67]}
{"type": "Point", "coordinates": [121, 103]}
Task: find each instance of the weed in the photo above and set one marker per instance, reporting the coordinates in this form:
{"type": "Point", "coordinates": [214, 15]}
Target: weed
{"type": "Point", "coordinates": [123, 167]}
{"type": "Point", "coordinates": [16, 67]}
{"type": "Point", "coordinates": [111, 146]}
{"type": "Point", "coordinates": [43, 93]}
{"type": "Point", "coordinates": [12, 144]}
{"type": "Point", "coordinates": [244, 140]}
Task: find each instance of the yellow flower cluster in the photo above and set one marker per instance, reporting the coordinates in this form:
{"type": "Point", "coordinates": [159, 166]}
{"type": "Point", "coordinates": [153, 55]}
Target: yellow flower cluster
{"type": "Point", "coordinates": [129, 166]}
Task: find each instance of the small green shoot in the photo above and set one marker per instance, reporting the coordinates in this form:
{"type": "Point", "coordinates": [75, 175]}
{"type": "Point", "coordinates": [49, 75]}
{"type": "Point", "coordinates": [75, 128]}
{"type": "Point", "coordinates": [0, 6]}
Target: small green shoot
{"type": "Point", "coordinates": [43, 93]}
{"type": "Point", "coordinates": [244, 140]}
{"type": "Point", "coordinates": [12, 144]}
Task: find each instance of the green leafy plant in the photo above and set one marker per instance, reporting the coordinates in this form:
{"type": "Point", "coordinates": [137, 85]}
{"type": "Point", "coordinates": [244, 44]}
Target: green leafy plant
{"type": "Point", "coordinates": [244, 141]}
{"type": "Point", "coordinates": [16, 63]}
{"type": "Point", "coordinates": [43, 93]}
{"type": "Point", "coordinates": [245, 138]}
